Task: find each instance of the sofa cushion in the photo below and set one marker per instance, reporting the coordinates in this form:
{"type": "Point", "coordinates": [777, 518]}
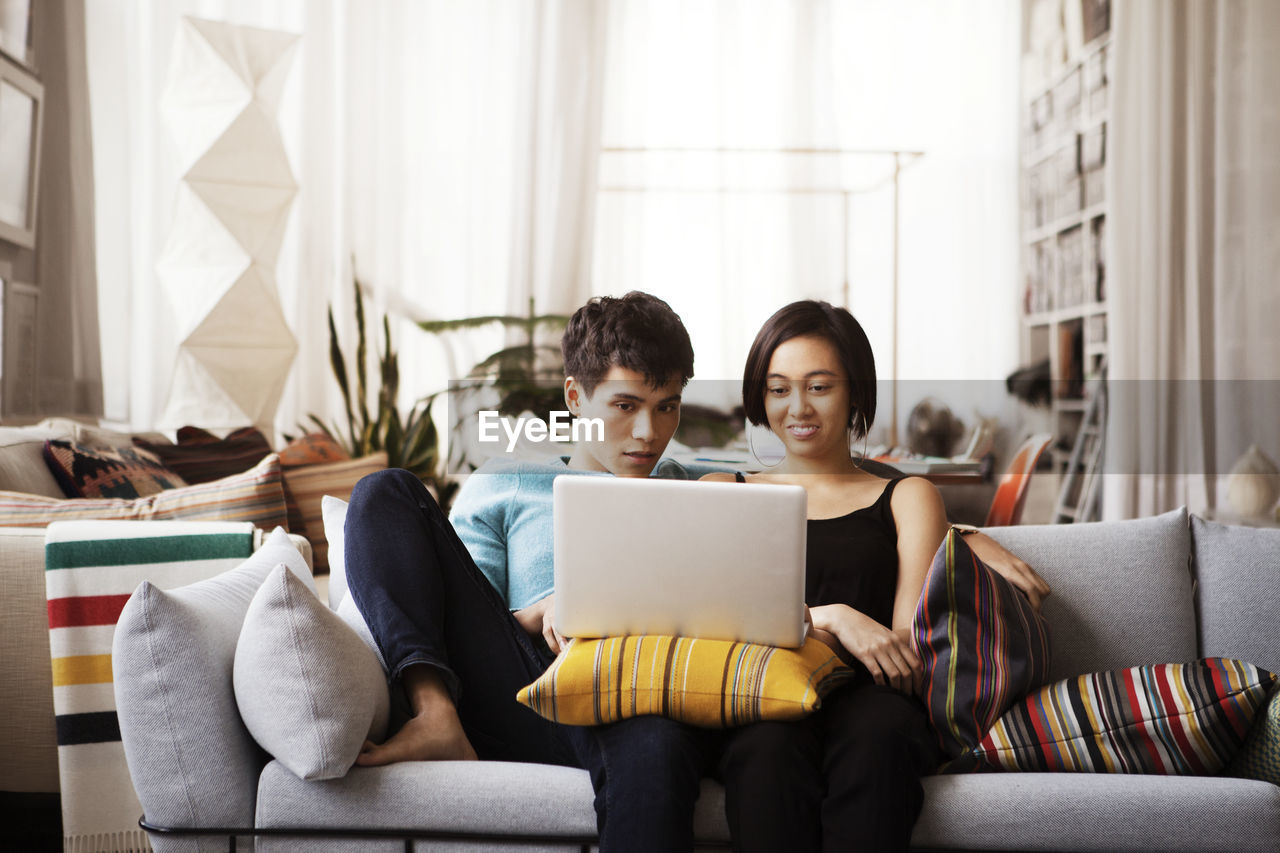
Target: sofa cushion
{"type": "Point", "coordinates": [255, 495]}
{"type": "Point", "coordinates": [334, 515]}
{"type": "Point", "coordinates": [28, 735]}
{"type": "Point", "coordinates": [1186, 719]}
{"type": "Point", "coordinates": [308, 688]}
{"type": "Point", "coordinates": [22, 465]}
{"type": "Point", "coordinates": [472, 796]}
{"type": "Point", "coordinates": [981, 644]}
{"type": "Point", "coordinates": [1121, 590]}
{"type": "Point", "coordinates": [1081, 811]}
{"type": "Point", "coordinates": [191, 758]}
{"type": "Point", "coordinates": [1260, 756]}
{"type": "Point", "coordinates": [987, 811]}
{"type": "Point", "coordinates": [199, 456]}
{"type": "Point", "coordinates": [110, 472]}
{"type": "Point", "coordinates": [314, 448]}
{"type": "Point", "coordinates": [713, 683]}
{"type": "Point", "coordinates": [1238, 592]}
{"type": "Point", "coordinates": [307, 486]}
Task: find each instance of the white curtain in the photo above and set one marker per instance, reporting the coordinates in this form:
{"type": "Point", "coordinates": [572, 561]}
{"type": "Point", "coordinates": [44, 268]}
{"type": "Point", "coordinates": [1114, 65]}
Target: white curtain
{"type": "Point", "coordinates": [445, 147]}
{"type": "Point", "coordinates": [718, 236]}
{"type": "Point", "coordinates": [1195, 358]}
{"type": "Point", "coordinates": [70, 370]}
{"type": "Point", "coordinates": [450, 147]}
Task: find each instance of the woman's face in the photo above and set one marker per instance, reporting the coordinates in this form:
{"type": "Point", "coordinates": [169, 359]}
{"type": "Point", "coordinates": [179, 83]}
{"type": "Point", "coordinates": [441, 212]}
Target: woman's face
{"type": "Point", "coordinates": [807, 397]}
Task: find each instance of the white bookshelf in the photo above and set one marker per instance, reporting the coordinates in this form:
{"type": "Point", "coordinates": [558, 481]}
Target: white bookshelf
{"type": "Point", "coordinates": [1063, 239]}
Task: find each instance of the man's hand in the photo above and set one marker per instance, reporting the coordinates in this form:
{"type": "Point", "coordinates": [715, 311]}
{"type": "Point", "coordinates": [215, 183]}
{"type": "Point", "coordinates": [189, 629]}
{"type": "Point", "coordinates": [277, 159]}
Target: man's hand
{"type": "Point", "coordinates": [1009, 566]}
{"type": "Point", "coordinates": [539, 619]}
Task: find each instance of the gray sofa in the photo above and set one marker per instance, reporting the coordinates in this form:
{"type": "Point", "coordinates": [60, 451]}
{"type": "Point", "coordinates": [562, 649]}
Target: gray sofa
{"type": "Point", "coordinates": [1166, 589]}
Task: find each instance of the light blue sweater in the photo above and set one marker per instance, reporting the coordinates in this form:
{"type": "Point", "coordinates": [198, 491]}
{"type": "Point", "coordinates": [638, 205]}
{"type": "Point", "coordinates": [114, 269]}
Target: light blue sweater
{"type": "Point", "coordinates": [503, 515]}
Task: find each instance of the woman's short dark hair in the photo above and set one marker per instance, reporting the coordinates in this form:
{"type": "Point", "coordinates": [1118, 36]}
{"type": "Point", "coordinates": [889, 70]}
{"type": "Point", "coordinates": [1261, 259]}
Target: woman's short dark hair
{"type": "Point", "coordinates": [637, 331]}
{"type": "Point", "coordinates": [820, 319]}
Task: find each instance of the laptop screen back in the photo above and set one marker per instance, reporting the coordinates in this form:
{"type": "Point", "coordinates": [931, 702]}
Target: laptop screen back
{"type": "Point", "coordinates": [651, 556]}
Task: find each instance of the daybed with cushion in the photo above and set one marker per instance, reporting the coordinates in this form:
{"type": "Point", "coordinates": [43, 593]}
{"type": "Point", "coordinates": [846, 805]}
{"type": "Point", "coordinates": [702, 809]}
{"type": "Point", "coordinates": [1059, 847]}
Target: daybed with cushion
{"type": "Point", "coordinates": [1168, 589]}
{"type": "Point", "coordinates": [236, 477]}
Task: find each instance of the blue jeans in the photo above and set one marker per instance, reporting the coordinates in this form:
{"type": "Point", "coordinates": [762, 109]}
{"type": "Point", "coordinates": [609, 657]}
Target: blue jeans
{"type": "Point", "coordinates": [426, 602]}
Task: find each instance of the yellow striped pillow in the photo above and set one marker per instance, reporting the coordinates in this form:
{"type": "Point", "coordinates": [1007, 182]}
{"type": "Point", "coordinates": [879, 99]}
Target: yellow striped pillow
{"type": "Point", "coordinates": [712, 683]}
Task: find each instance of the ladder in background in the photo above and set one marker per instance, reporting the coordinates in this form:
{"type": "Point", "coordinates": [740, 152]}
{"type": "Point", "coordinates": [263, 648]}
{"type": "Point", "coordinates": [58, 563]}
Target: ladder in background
{"type": "Point", "coordinates": [1078, 497]}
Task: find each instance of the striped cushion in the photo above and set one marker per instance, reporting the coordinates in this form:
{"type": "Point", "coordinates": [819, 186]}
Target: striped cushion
{"type": "Point", "coordinates": [311, 449]}
{"type": "Point", "coordinates": [201, 457]}
{"type": "Point", "coordinates": [1177, 718]}
{"type": "Point", "coordinates": [981, 643]}
{"type": "Point", "coordinates": [255, 495]}
{"type": "Point", "coordinates": [308, 485]}
{"type": "Point", "coordinates": [1260, 757]}
{"type": "Point", "coordinates": [711, 683]}
{"type": "Point", "coordinates": [110, 472]}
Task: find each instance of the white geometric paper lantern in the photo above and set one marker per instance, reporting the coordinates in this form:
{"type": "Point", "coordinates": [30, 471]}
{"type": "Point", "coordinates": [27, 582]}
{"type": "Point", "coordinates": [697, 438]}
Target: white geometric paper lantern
{"type": "Point", "coordinates": [218, 265]}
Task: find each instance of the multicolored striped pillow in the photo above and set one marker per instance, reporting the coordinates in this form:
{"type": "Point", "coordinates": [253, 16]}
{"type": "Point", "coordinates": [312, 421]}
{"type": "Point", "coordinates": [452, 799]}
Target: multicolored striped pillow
{"type": "Point", "coordinates": [981, 643]}
{"type": "Point", "coordinates": [1173, 719]}
{"type": "Point", "coordinates": [255, 495]}
{"type": "Point", "coordinates": [711, 683]}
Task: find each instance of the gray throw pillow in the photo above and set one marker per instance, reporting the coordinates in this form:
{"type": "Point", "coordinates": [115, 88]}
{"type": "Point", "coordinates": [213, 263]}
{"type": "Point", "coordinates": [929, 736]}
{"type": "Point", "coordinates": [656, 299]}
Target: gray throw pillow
{"type": "Point", "coordinates": [308, 688]}
{"type": "Point", "coordinates": [192, 761]}
{"type": "Point", "coordinates": [1238, 592]}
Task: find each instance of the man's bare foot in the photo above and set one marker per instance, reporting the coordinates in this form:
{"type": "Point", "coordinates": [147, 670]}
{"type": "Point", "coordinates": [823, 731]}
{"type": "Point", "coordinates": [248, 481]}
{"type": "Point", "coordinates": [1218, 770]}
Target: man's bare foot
{"type": "Point", "coordinates": [434, 733]}
{"type": "Point", "coordinates": [425, 737]}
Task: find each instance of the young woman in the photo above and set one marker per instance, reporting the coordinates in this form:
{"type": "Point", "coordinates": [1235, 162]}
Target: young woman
{"type": "Point", "coordinates": [847, 777]}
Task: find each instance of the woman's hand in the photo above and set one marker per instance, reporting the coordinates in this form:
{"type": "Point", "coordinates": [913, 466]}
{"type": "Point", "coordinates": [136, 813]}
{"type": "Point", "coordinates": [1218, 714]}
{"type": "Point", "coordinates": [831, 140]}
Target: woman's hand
{"type": "Point", "coordinates": [539, 619]}
{"type": "Point", "coordinates": [886, 653]}
{"type": "Point", "coordinates": [1009, 566]}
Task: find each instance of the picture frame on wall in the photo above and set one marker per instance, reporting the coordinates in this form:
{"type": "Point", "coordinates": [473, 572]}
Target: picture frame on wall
{"type": "Point", "coordinates": [21, 122]}
{"type": "Point", "coordinates": [15, 31]}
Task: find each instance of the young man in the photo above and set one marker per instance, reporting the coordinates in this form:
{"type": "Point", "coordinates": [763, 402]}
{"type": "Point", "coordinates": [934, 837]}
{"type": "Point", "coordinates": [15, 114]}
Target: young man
{"type": "Point", "coordinates": [462, 611]}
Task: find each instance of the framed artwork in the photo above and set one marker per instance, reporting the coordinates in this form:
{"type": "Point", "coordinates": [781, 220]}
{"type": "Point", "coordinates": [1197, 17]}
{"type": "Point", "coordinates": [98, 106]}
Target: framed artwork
{"type": "Point", "coordinates": [18, 334]}
{"type": "Point", "coordinates": [15, 30]}
{"type": "Point", "coordinates": [21, 118]}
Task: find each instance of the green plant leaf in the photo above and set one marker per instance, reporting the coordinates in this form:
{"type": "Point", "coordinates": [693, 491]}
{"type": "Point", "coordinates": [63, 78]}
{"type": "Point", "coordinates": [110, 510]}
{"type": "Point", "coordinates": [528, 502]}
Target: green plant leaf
{"type": "Point", "coordinates": [362, 353]}
{"type": "Point", "coordinates": [339, 365]}
{"type": "Point", "coordinates": [516, 362]}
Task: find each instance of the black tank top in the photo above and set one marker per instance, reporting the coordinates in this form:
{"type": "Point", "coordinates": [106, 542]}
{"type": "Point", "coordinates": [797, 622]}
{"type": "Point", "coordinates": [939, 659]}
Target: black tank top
{"type": "Point", "coordinates": [853, 559]}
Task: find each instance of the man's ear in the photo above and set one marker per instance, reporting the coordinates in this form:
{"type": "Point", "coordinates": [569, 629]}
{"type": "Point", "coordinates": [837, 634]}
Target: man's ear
{"type": "Point", "coordinates": [573, 396]}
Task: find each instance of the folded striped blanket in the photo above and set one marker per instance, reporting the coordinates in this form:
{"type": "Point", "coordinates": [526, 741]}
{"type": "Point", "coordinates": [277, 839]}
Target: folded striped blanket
{"type": "Point", "coordinates": [91, 569]}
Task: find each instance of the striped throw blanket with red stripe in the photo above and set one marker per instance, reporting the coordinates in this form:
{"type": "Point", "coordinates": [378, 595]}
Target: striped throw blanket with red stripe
{"type": "Point", "coordinates": [91, 569]}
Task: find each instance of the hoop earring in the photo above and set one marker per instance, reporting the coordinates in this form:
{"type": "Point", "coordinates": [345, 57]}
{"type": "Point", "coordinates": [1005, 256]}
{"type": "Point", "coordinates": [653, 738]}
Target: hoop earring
{"type": "Point", "coordinates": [862, 457]}
{"type": "Point", "coordinates": [751, 448]}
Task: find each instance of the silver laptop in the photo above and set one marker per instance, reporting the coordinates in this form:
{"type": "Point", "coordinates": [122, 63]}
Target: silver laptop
{"type": "Point", "coordinates": [652, 556]}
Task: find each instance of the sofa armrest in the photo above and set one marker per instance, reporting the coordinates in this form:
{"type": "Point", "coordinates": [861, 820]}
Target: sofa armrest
{"type": "Point", "coordinates": [28, 736]}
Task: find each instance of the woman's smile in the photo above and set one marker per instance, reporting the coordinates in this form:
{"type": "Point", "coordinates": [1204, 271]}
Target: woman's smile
{"type": "Point", "coordinates": [802, 431]}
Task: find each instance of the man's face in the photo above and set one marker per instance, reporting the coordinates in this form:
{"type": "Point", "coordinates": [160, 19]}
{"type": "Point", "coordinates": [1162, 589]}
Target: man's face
{"type": "Point", "coordinates": [638, 420]}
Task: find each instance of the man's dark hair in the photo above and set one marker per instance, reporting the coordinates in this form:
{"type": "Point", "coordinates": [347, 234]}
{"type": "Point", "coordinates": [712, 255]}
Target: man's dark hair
{"type": "Point", "coordinates": [637, 331]}
{"type": "Point", "coordinates": [823, 320]}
